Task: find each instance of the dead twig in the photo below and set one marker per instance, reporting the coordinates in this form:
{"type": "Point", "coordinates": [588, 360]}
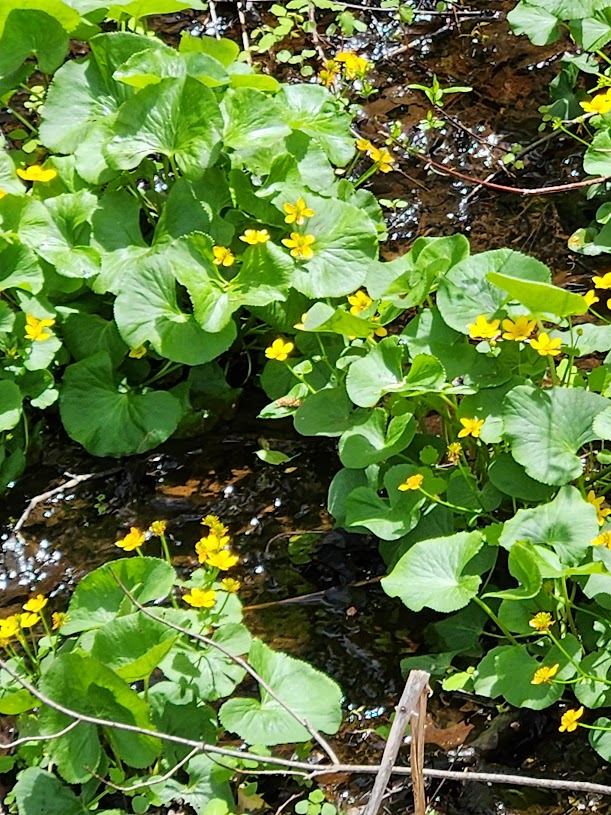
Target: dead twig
{"type": "Point", "coordinates": [214, 17]}
{"type": "Point", "coordinates": [301, 598]}
{"type": "Point", "coordinates": [244, 30]}
{"type": "Point", "coordinates": [407, 710]}
{"type": "Point", "coordinates": [315, 35]}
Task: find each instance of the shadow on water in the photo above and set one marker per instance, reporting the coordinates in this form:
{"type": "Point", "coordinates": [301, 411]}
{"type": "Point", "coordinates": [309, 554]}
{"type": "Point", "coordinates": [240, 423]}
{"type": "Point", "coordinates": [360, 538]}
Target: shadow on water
{"type": "Point", "coordinates": [354, 632]}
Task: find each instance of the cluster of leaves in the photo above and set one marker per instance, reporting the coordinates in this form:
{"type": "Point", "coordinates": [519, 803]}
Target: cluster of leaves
{"type": "Point", "coordinates": [155, 238]}
{"type": "Point", "coordinates": [473, 445]}
{"type": "Point", "coordinates": [110, 658]}
{"type": "Point", "coordinates": [580, 94]}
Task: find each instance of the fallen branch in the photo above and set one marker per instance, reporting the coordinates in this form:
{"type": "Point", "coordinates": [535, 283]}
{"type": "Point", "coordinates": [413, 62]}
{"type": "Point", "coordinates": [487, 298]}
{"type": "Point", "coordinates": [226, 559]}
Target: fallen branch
{"type": "Point", "coordinates": [290, 767]}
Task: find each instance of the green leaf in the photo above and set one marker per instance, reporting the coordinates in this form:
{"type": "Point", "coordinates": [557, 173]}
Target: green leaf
{"type": "Point", "coordinates": [597, 158]}
{"type": "Point", "coordinates": [133, 646]}
{"type": "Point", "coordinates": [19, 268]}
{"type": "Point", "coordinates": [98, 598]}
{"type": "Point", "coordinates": [540, 298]}
{"type": "Point", "coordinates": [87, 334]}
{"type": "Point", "coordinates": [600, 740]}
{"type": "Point", "coordinates": [325, 413]}
{"type": "Point", "coordinates": [178, 118]}
{"type": "Point", "coordinates": [509, 477]}
{"type": "Point", "coordinates": [38, 792]}
{"type": "Point", "coordinates": [466, 291]}
{"type": "Point", "coordinates": [10, 405]}
{"type": "Point", "coordinates": [29, 32]}
{"type": "Point", "coordinates": [434, 573]}
{"type": "Point", "coordinates": [150, 67]}
{"type": "Point", "coordinates": [539, 25]}
{"type": "Point", "coordinates": [83, 684]}
{"type": "Point", "coordinates": [546, 429]}
{"type": "Point", "coordinates": [524, 566]}
{"type": "Point", "coordinates": [602, 424]}
{"type": "Point", "coordinates": [589, 692]}
{"type": "Point", "coordinates": [224, 50]}
{"type": "Point", "coordinates": [312, 695]}
{"type": "Point", "coordinates": [109, 419]}
{"type": "Point", "coordinates": [313, 110]}
{"type": "Point", "coordinates": [376, 437]}
{"type": "Point", "coordinates": [253, 126]}
{"type": "Point", "coordinates": [147, 310]}
{"type": "Point", "coordinates": [378, 373]}
{"type": "Point", "coordinates": [142, 8]}
{"type": "Point", "coordinates": [62, 12]}
{"type": "Point", "coordinates": [568, 525]}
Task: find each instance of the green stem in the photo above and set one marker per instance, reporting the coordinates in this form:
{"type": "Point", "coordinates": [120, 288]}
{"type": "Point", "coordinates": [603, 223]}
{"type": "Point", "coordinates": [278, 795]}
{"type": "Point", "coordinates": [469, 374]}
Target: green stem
{"type": "Point", "coordinates": [168, 368]}
{"type": "Point", "coordinates": [20, 118]}
{"type": "Point", "coordinates": [569, 613]}
{"type": "Point", "coordinates": [485, 607]}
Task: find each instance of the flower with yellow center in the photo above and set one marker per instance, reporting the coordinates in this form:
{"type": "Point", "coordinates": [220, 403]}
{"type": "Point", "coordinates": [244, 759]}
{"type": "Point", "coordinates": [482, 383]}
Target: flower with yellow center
{"type": "Point", "coordinates": [364, 145]}
{"type": "Point", "coordinates": [230, 585]}
{"type": "Point", "coordinates": [601, 103]}
{"type": "Point", "coordinates": [546, 347]}
{"type": "Point", "coordinates": [597, 503]}
{"type": "Point", "coordinates": [137, 353]}
{"type": "Point", "coordinates": [542, 622]}
{"type": "Point", "coordinates": [28, 619]}
{"type": "Point", "coordinates": [224, 256]}
{"type": "Point", "coordinates": [483, 329]}
{"type": "Point", "coordinates": [59, 618]}
{"type": "Point", "coordinates": [328, 73]}
{"type": "Point", "coordinates": [569, 720]}
{"type": "Point", "coordinates": [603, 282]}
{"type": "Point", "coordinates": [383, 159]}
{"type": "Point", "coordinates": [454, 451]}
{"type": "Point", "coordinates": [519, 329]}
{"type": "Point", "coordinates": [414, 482]}
{"type": "Point", "coordinates": [35, 328]}
{"type": "Point", "coordinates": [255, 236]}
{"type": "Point", "coordinates": [208, 545]}
{"type": "Point", "coordinates": [359, 301]}
{"type": "Point", "coordinates": [9, 627]}
{"type": "Point", "coordinates": [300, 245]}
{"type": "Point", "coordinates": [297, 213]}
{"type": "Point", "coordinates": [36, 173]}
{"type": "Point", "coordinates": [215, 525]}
{"type": "Point", "coordinates": [279, 349]}
{"type": "Point", "coordinates": [200, 598]}
{"type": "Point", "coordinates": [544, 675]}
{"type": "Point", "coordinates": [133, 540]}
{"type": "Point", "coordinates": [35, 604]}
{"type": "Point", "coordinates": [355, 67]}
{"type": "Point", "coordinates": [470, 427]}
{"type": "Point", "coordinates": [158, 528]}
{"type": "Point", "coordinates": [222, 560]}
{"type": "Point", "coordinates": [604, 539]}
{"type": "Point", "coordinates": [591, 298]}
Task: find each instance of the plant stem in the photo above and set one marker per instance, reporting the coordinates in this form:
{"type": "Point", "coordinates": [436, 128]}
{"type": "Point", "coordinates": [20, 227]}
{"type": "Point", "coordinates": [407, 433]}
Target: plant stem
{"type": "Point", "coordinates": [485, 607]}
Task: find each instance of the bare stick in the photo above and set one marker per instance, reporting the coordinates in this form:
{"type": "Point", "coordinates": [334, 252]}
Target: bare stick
{"type": "Point", "coordinates": [244, 30]}
{"type": "Point", "coordinates": [415, 687]}
{"type": "Point", "coordinates": [156, 780]}
{"type": "Point", "coordinates": [573, 185]}
{"type": "Point", "coordinates": [67, 485]}
{"type": "Point", "coordinates": [315, 35]}
{"type": "Point", "coordinates": [214, 17]}
{"type": "Point", "coordinates": [416, 758]}
{"type": "Point", "coordinates": [290, 767]}
{"type": "Point", "coordinates": [9, 745]}
{"type": "Point", "coordinates": [242, 663]}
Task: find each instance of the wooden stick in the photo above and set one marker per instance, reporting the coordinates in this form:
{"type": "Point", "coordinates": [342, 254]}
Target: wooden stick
{"type": "Point", "coordinates": [409, 704]}
{"type": "Point", "coordinates": [416, 758]}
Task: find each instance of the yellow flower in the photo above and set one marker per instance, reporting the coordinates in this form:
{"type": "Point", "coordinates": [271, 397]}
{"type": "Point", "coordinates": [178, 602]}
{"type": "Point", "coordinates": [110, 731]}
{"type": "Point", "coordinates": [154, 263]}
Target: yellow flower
{"type": "Point", "coordinates": [215, 525]}
{"type": "Point", "coordinates": [300, 245]}
{"type": "Point", "coordinates": [209, 545]}
{"type": "Point", "coordinates": [222, 560]}
{"type": "Point", "coordinates": [603, 282]}
{"type": "Point", "coordinates": [254, 236]}
{"type": "Point", "coordinates": [28, 619]}
{"type": "Point", "coordinates": [2, 193]}
{"type": "Point", "coordinates": [133, 540]}
{"type": "Point", "coordinates": [158, 528]}
{"type": "Point", "coordinates": [544, 675]}
{"type": "Point", "coordinates": [354, 66]}
{"type": "Point", "coordinates": [359, 302]}
{"type": "Point", "coordinates": [59, 618]}
{"type": "Point", "coordinates": [9, 627]}
{"type": "Point", "coordinates": [604, 539]}
{"type": "Point", "coordinates": [279, 349]}
{"type": "Point", "coordinates": [454, 451]}
{"type": "Point", "coordinates": [591, 298]}
{"type": "Point", "coordinates": [224, 256]}
{"type": "Point", "coordinates": [518, 330]}
{"type": "Point", "coordinates": [301, 326]}
{"type": "Point", "coordinates": [470, 427]}
{"type": "Point", "coordinates": [383, 159]}
{"type": "Point", "coordinates": [597, 503]}
{"type": "Point", "coordinates": [35, 329]}
{"type": "Point", "coordinates": [601, 103]}
{"type": "Point", "coordinates": [380, 332]}
{"type": "Point", "coordinates": [36, 604]}
{"type": "Point", "coordinates": [36, 173]}
{"type": "Point", "coordinates": [414, 482]}
{"type": "Point", "coordinates": [546, 347]}
{"type": "Point", "coordinates": [137, 353]}
{"type": "Point", "coordinates": [230, 585]}
{"type": "Point", "coordinates": [482, 329]}
{"type": "Point", "coordinates": [200, 598]}
{"type": "Point", "coordinates": [364, 145]}
{"type": "Point", "coordinates": [542, 621]}
{"type": "Point", "coordinates": [328, 73]}
{"type": "Point", "coordinates": [570, 719]}
{"type": "Point", "coordinates": [298, 212]}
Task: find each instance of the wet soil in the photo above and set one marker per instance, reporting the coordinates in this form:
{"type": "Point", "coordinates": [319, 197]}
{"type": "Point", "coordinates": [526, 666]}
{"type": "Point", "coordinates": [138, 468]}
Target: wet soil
{"type": "Point", "coordinates": [317, 597]}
